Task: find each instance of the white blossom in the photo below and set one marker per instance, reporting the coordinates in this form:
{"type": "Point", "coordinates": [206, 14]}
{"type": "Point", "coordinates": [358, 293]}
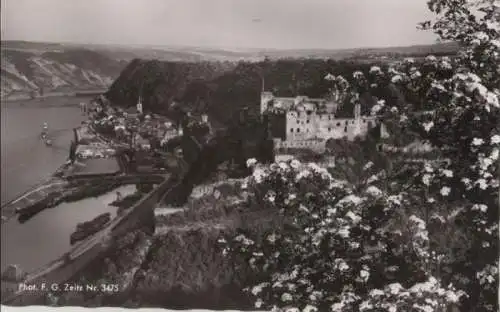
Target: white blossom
{"type": "Point", "coordinates": [283, 166]}
{"type": "Point", "coordinates": [330, 77]}
{"type": "Point", "coordinates": [495, 139]}
{"type": "Point", "coordinates": [445, 191]}
{"type": "Point", "coordinates": [426, 179]}
{"type": "Point", "coordinates": [418, 222]}
{"type": "Point", "coordinates": [368, 165]}
{"type": "Point", "coordinates": [394, 288]}
{"type": "Point", "coordinates": [375, 70]}
{"type": "Point", "coordinates": [448, 173]}
{"type": "Point", "coordinates": [396, 79]}
{"type": "Point", "coordinates": [376, 293]}
{"type": "Point", "coordinates": [355, 218]}
{"type": "Point", "coordinates": [285, 297]}
{"type": "Point", "coordinates": [271, 238]}
{"type": "Point", "coordinates": [343, 232]}
{"type": "Point", "coordinates": [477, 141]}
{"type": "Point", "coordinates": [310, 308]}
{"type": "Point", "coordinates": [259, 303]}
{"type": "Point", "coordinates": [259, 175]}
{"type": "Point", "coordinates": [494, 154]}
{"type": "Point", "coordinates": [258, 289]}
{"type": "Point", "coordinates": [337, 307]}
{"type": "Point", "coordinates": [358, 75]}
{"type": "Point", "coordinates": [483, 184]}
{"type": "Point", "coordinates": [364, 274]}
{"type": "Point", "coordinates": [251, 162]}
{"type": "Point", "coordinates": [480, 207]}
{"type": "Point", "coordinates": [428, 126]}
{"type": "Point", "coordinates": [373, 191]}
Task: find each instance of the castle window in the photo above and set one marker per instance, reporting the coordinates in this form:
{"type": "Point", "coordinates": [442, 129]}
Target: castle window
{"type": "Point", "coordinates": [345, 129]}
{"type": "Point", "coordinates": [352, 122]}
{"type": "Point", "coordinates": [329, 129]}
{"type": "Point", "coordinates": [291, 129]}
{"type": "Point", "coordinates": [309, 112]}
{"type": "Point", "coordinates": [329, 117]}
{"type": "Point", "coordinates": [298, 129]}
{"type": "Point", "coordinates": [364, 120]}
{"type": "Point", "coordinates": [338, 124]}
{"type": "Point", "coordinates": [346, 122]}
{"type": "Point", "coordinates": [307, 121]}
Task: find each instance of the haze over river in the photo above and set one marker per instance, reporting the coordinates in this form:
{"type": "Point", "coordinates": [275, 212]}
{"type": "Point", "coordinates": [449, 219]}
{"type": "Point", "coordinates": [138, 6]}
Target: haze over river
{"type": "Point", "coordinates": [27, 161]}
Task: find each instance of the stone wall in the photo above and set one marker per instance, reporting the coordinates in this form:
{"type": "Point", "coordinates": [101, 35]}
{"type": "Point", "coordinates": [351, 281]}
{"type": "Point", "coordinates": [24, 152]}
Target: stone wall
{"type": "Point", "coordinates": [318, 146]}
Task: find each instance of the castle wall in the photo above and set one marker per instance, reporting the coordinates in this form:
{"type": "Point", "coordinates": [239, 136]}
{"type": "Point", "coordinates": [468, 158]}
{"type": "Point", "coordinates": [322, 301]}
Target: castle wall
{"type": "Point", "coordinates": [301, 126]}
{"type": "Point", "coordinates": [318, 146]}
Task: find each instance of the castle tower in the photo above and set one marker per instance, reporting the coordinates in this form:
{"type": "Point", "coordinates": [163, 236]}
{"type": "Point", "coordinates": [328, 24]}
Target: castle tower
{"type": "Point", "coordinates": [265, 99]}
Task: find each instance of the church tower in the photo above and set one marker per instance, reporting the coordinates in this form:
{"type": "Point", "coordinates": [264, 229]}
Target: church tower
{"type": "Point", "coordinates": [139, 105]}
{"type": "Point", "coordinates": [357, 111]}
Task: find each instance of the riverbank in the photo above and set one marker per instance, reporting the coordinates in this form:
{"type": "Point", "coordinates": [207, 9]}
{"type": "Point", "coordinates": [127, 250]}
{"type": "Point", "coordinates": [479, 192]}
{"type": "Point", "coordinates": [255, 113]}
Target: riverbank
{"type": "Point", "coordinates": [58, 100]}
{"type": "Point", "coordinates": [26, 96]}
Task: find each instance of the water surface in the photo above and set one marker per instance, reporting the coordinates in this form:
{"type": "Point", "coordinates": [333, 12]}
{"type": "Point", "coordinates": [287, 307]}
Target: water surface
{"type": "Point", "coordinates": [46, 236]}
{"type": "Point", "coordinates": [26, 160]}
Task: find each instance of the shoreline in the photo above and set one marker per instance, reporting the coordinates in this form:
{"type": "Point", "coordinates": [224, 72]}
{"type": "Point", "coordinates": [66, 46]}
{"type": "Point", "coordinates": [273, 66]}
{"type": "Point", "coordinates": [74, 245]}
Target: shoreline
{"type": "Point", "coordinates": [84, 93]}
{"type": "Point", "coordinates": [31, 188]}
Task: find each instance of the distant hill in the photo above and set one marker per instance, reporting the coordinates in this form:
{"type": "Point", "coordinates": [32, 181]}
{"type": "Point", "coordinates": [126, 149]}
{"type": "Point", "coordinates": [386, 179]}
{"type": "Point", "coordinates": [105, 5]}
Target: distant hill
{"type": "Point", "coordinates": [196, 54]}
{"type": "Point", "coordinates": [449, 48]}
{"type": "Point", "coordinates": [31, 70]}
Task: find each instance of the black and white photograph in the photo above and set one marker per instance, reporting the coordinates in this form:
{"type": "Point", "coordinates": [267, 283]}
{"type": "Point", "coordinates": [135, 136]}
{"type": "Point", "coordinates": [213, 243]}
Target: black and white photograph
{"type": "Point", "coordinates": [250, 155]}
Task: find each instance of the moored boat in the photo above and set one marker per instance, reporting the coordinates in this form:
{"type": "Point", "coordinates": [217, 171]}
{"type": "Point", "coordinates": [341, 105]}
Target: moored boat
{"type": "Point", "coordinates": [86, 229]}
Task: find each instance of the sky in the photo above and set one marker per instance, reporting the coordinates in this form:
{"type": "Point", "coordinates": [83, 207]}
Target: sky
{"type": "Point", "coordinates": [280, 24]}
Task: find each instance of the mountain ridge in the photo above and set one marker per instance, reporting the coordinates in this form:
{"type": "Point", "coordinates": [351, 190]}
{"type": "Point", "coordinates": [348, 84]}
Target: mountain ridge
{"type": "Point", "coordinates": [33, 68]}
{"type": "Point", "coordinates": [194, 53]}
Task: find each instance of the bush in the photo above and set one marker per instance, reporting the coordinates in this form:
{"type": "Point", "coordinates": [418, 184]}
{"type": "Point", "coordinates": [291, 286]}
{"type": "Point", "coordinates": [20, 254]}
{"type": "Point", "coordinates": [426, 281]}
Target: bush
{"type": "Point", "coordinates": [338, 246]}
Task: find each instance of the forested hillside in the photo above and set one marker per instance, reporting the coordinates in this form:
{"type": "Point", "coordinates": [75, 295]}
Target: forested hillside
{"type": "Point", "coordinates": [160, 83]}
{"type": "Point", "coordinates": [223, 89]}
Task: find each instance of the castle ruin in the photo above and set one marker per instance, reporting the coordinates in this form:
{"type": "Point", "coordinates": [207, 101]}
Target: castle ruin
{"type": "Point", "coordinates": [308, 123]}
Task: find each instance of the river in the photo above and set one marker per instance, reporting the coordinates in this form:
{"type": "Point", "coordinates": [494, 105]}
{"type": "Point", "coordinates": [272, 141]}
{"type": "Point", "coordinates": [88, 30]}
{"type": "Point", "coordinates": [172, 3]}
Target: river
{"type": "Point", "coordinates": [26, 161]}
{"type": "Point", "coordinates": [46, 236]}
